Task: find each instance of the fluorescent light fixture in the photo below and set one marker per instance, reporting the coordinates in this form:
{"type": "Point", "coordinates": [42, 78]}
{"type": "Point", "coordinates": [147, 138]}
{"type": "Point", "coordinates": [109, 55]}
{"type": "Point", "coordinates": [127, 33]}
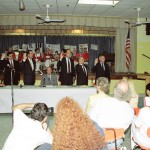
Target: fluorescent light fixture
{"type": "Point", "coordinates": [77, 31]}
{"type": "Point", "coordinates": [98, 2]}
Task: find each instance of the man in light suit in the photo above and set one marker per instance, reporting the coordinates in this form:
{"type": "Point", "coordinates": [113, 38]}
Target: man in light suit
{"type": "Point", "coordinates": [81, 72]}
{"type": "Point", "coordinates": [28, 66]}
{"type": "Point", "coordinates": [101, 68]}
{"type": "Point", "coordinates": [48, 78]}
{"type": "Point", "coordinates": [66, 65]}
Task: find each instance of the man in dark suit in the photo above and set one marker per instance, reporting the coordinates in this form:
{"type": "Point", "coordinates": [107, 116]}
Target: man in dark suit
{"type": "Point", "coordinates": [11, 65]}
{"type": "Point", "coordinates": [81, 72]}
{"type": "Point", "coordinates": [67, 70]}
{"type": "Point", "coordinates": [28, 67]}
{"type": "Point", "coordinates": [101, 68]}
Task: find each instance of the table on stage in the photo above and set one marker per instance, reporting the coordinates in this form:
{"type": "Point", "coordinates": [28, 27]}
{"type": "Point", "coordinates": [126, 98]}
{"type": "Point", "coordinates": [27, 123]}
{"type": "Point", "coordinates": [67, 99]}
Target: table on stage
{"type": "Point", "coordinates": [49, 95]}
{"type": "Point", "coordinates": [145, 77]}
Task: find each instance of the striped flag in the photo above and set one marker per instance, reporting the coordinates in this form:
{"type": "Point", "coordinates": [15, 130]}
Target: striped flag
{"type": "Point", "coordinates": [127, 49]}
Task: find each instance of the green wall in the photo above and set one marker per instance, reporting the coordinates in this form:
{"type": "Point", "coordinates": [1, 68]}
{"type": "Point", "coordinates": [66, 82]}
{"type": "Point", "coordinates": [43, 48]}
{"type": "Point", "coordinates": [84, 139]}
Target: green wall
{"type": "Point", "coordinates": [143, 47]}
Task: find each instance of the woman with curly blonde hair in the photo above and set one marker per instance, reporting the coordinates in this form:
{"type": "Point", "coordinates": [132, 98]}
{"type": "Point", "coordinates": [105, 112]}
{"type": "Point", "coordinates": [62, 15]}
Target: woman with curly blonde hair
{"type": "Point", "coordinates": [73, 129]}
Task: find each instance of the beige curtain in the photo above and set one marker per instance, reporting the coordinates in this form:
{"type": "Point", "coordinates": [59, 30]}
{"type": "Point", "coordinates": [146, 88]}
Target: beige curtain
{"type": "Point", "coordinates": [120, 57]}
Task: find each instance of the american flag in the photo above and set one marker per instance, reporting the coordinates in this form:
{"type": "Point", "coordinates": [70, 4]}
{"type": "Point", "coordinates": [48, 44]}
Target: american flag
{"type": "Point", "coordinates": [127, 49]}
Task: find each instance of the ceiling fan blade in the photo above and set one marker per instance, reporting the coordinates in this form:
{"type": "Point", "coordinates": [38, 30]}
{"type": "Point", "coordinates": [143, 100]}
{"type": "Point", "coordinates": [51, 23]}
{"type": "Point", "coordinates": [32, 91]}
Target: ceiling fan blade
{"type": "Point", "coordinates": [58, 20]}
{"type": "Point", "coordinates": [135, 25]}
{"type": "Point", "coordinates": [39, 17]}
{"type": "Point", "coordinates": [145, 22]}
{"type": "Point", "coordinates": [127, 21]}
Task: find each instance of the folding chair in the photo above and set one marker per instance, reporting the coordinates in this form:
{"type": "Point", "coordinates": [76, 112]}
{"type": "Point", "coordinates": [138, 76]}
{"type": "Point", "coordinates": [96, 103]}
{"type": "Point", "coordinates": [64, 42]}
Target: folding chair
{"type": "Point", "coordinates": [112, 135]}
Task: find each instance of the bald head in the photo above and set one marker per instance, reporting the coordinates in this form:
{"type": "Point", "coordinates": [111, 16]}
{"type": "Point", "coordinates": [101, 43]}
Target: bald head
{"type": "Point", "coordinates": [122, 91]}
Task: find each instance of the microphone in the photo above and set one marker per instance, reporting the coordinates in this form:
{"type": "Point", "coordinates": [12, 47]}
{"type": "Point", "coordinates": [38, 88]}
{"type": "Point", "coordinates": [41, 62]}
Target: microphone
{"type": "Point", "coordinates": [21, 86]}
{"type": "Point", "coordinates": [11, 67]}
{"type": "Point", "coordinates": [44, 83]}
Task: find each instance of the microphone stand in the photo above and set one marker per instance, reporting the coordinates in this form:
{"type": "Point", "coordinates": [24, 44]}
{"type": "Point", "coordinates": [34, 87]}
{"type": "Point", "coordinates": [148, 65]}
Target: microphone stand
{"type": "Point", "coordinates": [12, 92]}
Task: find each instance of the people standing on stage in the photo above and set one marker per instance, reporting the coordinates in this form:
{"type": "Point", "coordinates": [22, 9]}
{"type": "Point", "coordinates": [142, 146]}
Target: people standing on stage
{"type": "Point", "coordinates": [48, 78]}
{"type": "Point", "coordinates": [28, 67]}
{"type": "Point", "coordinates": [67, 70]}
{"type": "Point", "coordinates": [101, 68]}
{"type": "Point", "coordinates": [81, 72]}
{"type": "Point", "coordinates": [11, 66]}
{"type": "Point", "coordinates": [29, 133]}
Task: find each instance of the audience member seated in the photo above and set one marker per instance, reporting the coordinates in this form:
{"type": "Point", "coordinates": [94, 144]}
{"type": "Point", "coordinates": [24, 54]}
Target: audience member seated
{"type": "Point", "coordinates": [85, 54]}
{"type": "Point", "coordinates": [28, 133]}
{"type": "Point", "coordinates": [20, 55]}
{"type": "Point", "coordinates": [48, 78]}
{"type": "Point", "coordinates": [134, 96]}
{"type": "Point", "coordinates": [37, 56]}
{"type": "Point", "coordinates": [114, 112]}
{"type": "Point", "coordinates": [11, 50]}
{"type": "Point", "coordinates": [102, 87]}
{"type": "Point", "coordinates": [81, 72]}
{"type": "Point", "coordinates": [73, 129]}
{"type": "Point", "coordinates": [148, 90]}
{"type": "Point", "coordinates": [47, 58]}
{"type": "Point", "coordinates": [56, 56]}
{"type": "Point", "coordinates": [140, 127]}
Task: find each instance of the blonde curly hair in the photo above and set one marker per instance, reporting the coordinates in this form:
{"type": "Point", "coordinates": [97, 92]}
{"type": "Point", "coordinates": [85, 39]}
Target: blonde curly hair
{"type": "Point", "coordinates": [73, 129]}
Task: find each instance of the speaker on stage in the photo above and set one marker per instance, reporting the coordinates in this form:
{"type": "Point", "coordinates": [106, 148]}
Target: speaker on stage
{"type": "Point", "coordinates": [148, 29]}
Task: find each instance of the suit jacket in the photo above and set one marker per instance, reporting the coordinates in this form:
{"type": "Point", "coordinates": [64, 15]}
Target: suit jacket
{"type": "Point", "coordinates": [81, 76]}
{"type": "Point", "coordinates": [64, 77]}
{"type": "Point", "coordinates": [45, 81]}
{"type": "Point", "coordinates": [100, 72]}
{"type": "Point", "coordinates": [15, 72]}
{"type": "Point", "coordinates": [29, 74]}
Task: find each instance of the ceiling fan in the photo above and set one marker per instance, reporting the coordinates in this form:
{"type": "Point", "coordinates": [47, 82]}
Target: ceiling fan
{"type": "Point", "coordinates": [47, 19]}
{"type": "Point", "coordinates": [138, 22]}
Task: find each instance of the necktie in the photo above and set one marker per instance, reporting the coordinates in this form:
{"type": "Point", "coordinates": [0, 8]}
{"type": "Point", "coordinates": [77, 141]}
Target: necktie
{"type": "Point", "coordinates": [31, 63]}
{"type": "Point", "coordinates": [11, 63]}
{"type": "Point", "coordinates": [49, 80]}
{"type": "Point", "coordinates": [69, 66]}
{"type": "Point", "coordinates": [103, 66]}
{"type": "Point", "coordinates": [84, 69]}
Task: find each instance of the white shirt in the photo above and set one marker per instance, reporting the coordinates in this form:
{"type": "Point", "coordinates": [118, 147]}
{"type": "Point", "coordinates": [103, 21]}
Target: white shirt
{"type": "Point", "coordinates": [112, 113]}
{"type": "Point", "coordinates": [68, 59]}
{"type": "Point", "coordinates": [31, 63]}
{"type": "Point", "coordinates": [26, 134]}
{"type": "Point", "coordinates": [142, 123]}
{"type": "Point", "coordinates": [143, 120]}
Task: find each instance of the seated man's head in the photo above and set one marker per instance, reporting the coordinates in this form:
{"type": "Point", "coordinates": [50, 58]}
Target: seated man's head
{"type": "Point", "coordinates": [148, 89]}
{"type": "Point", "coordinates": [49, 70]}
{"type": "Point", "coordinates": [102, 85]}
{"type": "Point", "coordinates": [39, 112]}
{"type": "Point", "coordinates": [122, 91]}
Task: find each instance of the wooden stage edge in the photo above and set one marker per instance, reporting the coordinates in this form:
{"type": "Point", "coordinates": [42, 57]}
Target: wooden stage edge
{"type": "Point", "coordinates": [113, 76]}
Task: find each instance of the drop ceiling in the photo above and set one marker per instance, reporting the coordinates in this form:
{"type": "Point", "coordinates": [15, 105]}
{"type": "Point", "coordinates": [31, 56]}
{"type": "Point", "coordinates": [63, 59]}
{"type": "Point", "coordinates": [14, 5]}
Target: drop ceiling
{"type": "Point", "coordinates": [125, 8]}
